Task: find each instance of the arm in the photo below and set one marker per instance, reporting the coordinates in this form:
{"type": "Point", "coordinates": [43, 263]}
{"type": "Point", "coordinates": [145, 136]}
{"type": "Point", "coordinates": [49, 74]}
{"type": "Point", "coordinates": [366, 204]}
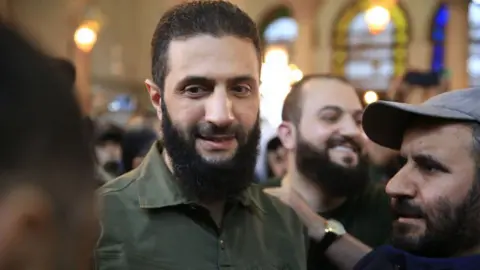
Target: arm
{"type": "Point", "coordinates": [345, 252]}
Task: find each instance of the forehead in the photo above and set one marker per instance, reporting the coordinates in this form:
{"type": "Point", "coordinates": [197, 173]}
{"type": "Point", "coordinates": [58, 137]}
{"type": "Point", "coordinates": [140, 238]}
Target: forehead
{"type": "Point", "coordinates": [450, 142]}
{"type": "Point", "coordinates": [213, 57]}
{"type": "Point", "coordinates": [318, 93]}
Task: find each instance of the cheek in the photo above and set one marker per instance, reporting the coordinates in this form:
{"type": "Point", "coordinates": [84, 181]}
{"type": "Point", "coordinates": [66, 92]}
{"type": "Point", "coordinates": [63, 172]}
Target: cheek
{"type": "Point", "coordinates": [184, 112]}
{"type": "Point", "coordinates": [246, 112]}
{"type": "Point", "coordinates": [315, 134]}
{"type": "Point", "coordinates": [452, 190]}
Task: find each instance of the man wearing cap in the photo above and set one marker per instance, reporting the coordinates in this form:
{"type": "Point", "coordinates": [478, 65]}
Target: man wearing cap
{"type": "Point", "coordinates": [436, 195]}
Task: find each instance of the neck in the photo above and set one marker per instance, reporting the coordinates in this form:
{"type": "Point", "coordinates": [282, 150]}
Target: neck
{"type": "Point", "coordinates": [311, 192]}
{"type": "Point", "coordinates": [216, 208]}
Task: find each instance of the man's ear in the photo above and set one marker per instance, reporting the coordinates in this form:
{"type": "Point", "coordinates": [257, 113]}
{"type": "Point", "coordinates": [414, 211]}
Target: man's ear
{"type": "Point", "coordinates": [155, 96]}
{"type": "Point", "coordinates": [26, 219]}
{"type": "Point", "coordinates": [287, 135]}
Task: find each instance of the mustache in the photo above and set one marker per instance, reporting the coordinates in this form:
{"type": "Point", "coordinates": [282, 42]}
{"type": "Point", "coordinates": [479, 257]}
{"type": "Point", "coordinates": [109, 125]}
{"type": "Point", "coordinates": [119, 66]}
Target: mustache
{"type": "Point", "coordinates": [343, 140]}
{"type": "Point", "coordinates": [206, 130]}
{"type": "Point", "coordinates": [403, 207]}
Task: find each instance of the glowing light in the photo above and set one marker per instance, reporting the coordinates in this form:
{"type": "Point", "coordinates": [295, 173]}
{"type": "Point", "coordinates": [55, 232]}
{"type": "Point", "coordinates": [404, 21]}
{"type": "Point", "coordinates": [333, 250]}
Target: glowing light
{"type": "Point", "coordinates": [86, 36]}
{"type": "Point", "coordinates": [276, 55]}
{"type": "Point", "coordinates": [370, 97]}
{"type": "Point", "coordinates": [277, 76]}
{"type": "Point", "coordinates": [377, 18]}
{"type": "Point", "coordinates": [295, 74]}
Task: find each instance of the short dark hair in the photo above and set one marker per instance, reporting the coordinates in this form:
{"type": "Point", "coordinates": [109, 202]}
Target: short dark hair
{"type": "Point", "coordinates": [42, 142]}
{"type": "Point", "coordinates": [274, 144]}
{"type": "Point", "coordinates": [215, 18]}
{"type": "Point", "coordinates": [292, 107]}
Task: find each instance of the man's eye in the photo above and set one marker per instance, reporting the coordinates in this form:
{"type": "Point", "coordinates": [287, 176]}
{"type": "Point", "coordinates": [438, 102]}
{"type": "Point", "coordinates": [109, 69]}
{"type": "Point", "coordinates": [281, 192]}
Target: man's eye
{"type": "Point", "coordinates": [428, 168]}
{"type": "Point", "coordinates": [241, 90]}
{"type": "Point", "coordinates": [330, 118]}
{"type": "Point", "coordinates": [195, 90]}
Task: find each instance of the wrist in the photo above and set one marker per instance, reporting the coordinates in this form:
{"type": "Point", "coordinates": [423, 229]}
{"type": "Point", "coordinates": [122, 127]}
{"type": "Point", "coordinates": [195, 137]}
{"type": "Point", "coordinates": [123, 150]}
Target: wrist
{"type": "Point", "coordinates": [317, 230]}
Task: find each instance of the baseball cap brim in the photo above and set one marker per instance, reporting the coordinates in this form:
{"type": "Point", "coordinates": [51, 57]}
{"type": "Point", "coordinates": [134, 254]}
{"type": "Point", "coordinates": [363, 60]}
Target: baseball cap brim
{"type": "Point", "coordinates": [385, 122]}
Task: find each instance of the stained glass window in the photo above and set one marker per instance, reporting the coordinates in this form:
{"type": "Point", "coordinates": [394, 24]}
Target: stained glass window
{"type": "Point", "coordinates": [438, 37]}
{"type": "Point", "coordinates": [474, 48]}
{"type": "Point", "coordinates": [370, 61]}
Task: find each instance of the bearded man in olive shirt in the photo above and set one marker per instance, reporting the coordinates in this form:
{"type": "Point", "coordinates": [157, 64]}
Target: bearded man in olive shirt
{"type": "Point", "coordinates": [191, 205]}
{"type": "Point", "coordinates": [321, 130]}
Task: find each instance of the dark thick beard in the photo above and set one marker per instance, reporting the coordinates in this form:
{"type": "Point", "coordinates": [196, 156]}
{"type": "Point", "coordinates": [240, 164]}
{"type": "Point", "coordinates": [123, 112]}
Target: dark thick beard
{"type": "Point", "coordinates": [450, 229]}
{"type": "Point", "coordinates": [334, 179]}
{"type": "Point", "coordinates": [210, 181]}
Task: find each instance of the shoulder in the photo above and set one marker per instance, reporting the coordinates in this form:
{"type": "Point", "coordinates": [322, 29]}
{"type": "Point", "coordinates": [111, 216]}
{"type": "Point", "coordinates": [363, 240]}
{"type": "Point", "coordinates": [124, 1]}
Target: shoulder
{"type": "Point", "coordinates": [122, 189]}
{"type": "Point", "coordinates": [117, 198]}
{"type": "Point", "coordinates": [275, 211]}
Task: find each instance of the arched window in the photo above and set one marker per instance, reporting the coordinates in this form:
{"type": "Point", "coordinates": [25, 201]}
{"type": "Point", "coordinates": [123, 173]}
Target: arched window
{"type": "Point", "coordinates": [370, 61]}
{"type": "Point", "coordinates": [438, 38]}
{"type": "Point", "coordinates": [279, 27]}
{"type": "Point", "coordinates": [474, 48]}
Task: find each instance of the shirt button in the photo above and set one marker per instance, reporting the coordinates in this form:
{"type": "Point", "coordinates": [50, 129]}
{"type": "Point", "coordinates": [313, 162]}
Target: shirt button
{"type": "Point", "coordinates": [222, 244]}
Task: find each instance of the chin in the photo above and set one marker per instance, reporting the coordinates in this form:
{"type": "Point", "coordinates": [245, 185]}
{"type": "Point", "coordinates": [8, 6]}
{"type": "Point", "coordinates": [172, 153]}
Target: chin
{"type": "Point", "coordinates": [217, 157]}
{"type": "Point", "coordinates": [406, 231]}
{"type": "Point", "coordinates": [347, 163]}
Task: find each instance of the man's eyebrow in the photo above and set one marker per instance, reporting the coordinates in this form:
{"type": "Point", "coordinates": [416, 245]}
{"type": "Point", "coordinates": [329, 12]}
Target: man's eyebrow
{"type": "Point", "coordinates": [195, 80]}
{"type": "Point", "coordinates": [240, 79]}
{"type": "Point", "coordinates": [189, 80]}
{"type": "Point", "coordinates": [430, 161]}
{"type": "Point", "coordinates": [330, 107]}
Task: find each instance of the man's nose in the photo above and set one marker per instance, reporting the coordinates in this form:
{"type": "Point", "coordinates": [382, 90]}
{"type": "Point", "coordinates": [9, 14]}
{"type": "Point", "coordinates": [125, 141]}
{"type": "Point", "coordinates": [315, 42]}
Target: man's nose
{"type": "Point", "coordinates": [350, 128]}
{"type": "Point", "coordinates": [401, 185]}
{"type": "Point", "coordinates": [219, 108]}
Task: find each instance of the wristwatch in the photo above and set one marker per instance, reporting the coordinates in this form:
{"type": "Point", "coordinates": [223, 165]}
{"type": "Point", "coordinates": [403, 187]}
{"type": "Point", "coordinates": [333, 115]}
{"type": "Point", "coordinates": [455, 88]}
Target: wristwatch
{"type": "Point", "coordinates": [333, 230]}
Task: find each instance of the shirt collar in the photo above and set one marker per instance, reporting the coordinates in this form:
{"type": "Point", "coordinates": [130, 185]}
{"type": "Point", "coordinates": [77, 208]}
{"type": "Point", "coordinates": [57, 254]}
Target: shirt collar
{"type": "Point", "coordinates": [157, 187]}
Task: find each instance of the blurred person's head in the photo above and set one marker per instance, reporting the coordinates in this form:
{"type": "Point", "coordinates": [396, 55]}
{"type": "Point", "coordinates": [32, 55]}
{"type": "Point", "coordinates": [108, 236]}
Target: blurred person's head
{"type": "Point", "coordinates": [135, 145]}
{"type": "Point", "coordinates": [321, 128]}
{"type": "Point", "coordinates": [205, 67]}
{"type": "Point", "coordinates": [276, 158]}
{"type": "Point", "coordinates": [436, 194]}
{"type": "Point", "coordinates": [47, 206]}
{"type": "Point", "coordinates": [109, 148]}
{"type": "Point", "coordinates": [416, 86]}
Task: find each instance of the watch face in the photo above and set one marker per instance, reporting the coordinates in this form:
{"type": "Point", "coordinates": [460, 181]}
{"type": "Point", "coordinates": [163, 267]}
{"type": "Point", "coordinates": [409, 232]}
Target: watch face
{"type": "Point", "coordinates": [336, 227]}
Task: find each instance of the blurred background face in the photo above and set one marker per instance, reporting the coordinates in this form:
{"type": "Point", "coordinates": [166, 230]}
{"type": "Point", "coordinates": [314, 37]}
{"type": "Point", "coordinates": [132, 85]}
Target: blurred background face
{"type": "Point", "coordinates": [276, 158]}
{"type": "Point", "coordinates": [329, 138]}
{"type": "Point", "coordinates": [210, 111]}
{"type": "Point", "coordinates": [436, 195]}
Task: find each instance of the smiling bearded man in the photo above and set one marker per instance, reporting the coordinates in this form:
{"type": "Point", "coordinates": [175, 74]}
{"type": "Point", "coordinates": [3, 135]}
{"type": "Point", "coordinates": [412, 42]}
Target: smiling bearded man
{"type": "Point", "coordinates": [190, 204]}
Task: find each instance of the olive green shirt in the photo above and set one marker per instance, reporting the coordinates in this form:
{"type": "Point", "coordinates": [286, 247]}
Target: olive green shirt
{"type": "Point", "coordinates": [147, 224]}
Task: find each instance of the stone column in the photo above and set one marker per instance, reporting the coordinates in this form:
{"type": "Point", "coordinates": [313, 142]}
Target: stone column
{"type": "Point", "coordinates": [304, 49]}
{"type": "Point", "coordinates": [456, 43]}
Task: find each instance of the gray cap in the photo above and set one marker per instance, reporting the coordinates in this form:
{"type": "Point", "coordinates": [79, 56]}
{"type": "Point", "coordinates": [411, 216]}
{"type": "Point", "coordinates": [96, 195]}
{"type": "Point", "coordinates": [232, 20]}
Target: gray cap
{"type": "Point", "coordinates": [385, 122]}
